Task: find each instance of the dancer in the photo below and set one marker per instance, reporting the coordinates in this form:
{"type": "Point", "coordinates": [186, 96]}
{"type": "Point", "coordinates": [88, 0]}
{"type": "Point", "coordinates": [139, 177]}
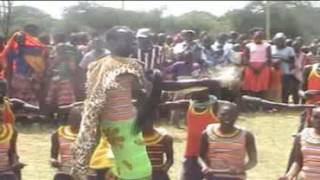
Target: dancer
{"type": "Point", "coordinates": [306, 152]}
{"type": "Point", "coordinates": [62, 140]}
{"type": "Point", "coordinates": [224, 147]}
{"type": "Point", "coordinates": [108, 106]}
{"type": "Point", "coordinates": [201, 112]}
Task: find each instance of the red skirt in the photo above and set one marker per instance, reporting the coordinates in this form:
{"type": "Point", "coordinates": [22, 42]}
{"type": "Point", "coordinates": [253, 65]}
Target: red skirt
{"type": "Point", "coordinates": [256, 82]}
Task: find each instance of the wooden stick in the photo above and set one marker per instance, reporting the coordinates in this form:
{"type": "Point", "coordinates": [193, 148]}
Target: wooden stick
{"type": "Point", "coordinates": [262, 102]}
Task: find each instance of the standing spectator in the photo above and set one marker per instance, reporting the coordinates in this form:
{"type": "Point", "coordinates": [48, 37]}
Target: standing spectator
{"type": "Point", "coordinates": [62, 71]}
{"type": "Point", "coordinates": [257, 73]}
{"type": "Point", "coordinates": [188, 46]}
{"type": "Point", "coordinates": [207, 54]}
{"type": "Point", "coordinates": [24, 55]}
{"type": "Point", "coordinates": [147, 52]}
{"type": "Point", "coordinates": [98, 51]}
{"type": "Point", "coordinates": [233, 37]}
{"type": "Point", "coordinates": [301, 60]}
{"type": "Point", "coordinates": [286, 57]}
{"type": "Point", "coordinates": [222, 48]}
{"type": "Point", "coordinates": [289, 42]}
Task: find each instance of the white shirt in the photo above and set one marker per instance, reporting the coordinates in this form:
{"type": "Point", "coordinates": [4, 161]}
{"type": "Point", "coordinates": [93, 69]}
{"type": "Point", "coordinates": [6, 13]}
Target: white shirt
{"type": "Point", "coordinates": [91, 56]}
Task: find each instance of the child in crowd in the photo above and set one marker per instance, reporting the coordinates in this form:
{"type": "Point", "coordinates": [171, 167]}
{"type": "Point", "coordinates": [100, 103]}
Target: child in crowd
{"type": "Point", "coordinates": [159, 146]}
{"type": "Point", "coordinates": [62, 141]}
{"type": "Point", "coordinates": [306, 152]}
{"type": "Point", "coordinates": [201, 112]}
{"type": "Point", "coordinates": [224, 147]}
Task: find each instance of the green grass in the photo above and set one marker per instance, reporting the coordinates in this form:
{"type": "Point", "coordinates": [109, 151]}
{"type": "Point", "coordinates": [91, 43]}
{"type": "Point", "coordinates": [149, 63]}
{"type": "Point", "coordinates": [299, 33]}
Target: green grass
{"type": "Point", "coordinates": [272, 131]}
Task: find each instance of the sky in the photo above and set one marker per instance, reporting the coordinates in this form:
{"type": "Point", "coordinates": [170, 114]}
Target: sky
{"type": "Point", "coordinates": [218, 8]}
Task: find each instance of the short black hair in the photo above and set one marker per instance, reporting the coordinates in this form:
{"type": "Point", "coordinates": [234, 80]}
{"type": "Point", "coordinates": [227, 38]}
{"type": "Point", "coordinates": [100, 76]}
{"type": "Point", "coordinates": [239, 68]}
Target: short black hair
{"type": "Point", "coordinates": [113, 33]}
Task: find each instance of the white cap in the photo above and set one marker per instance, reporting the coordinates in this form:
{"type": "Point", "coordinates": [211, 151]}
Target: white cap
{"type": "Point", "coordinates": [143, 33]}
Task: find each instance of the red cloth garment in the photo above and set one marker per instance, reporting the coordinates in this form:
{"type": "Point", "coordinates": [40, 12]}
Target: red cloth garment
{"type": "Point", "coordinates": [314, 84]}
{"type": "Point", "coordinates": [197, 122]}
{"type": "Point", "coordinates": [256, 82]}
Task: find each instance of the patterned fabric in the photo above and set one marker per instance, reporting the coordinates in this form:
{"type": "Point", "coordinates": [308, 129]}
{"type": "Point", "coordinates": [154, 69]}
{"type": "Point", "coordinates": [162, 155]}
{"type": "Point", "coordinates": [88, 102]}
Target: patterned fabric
{"type": "Point", "coordinates": [25, 88]}
{"type": "Point", "coordinates": [65, 138]}
{"type": "Point", "coordinates": [119, 101]}
{"type": "Point", "coordinates": [29, 54]}
{"type": "Point", "coordinates": [131, 158]}
{"type": "Point", "coordinates": [155, 148]}
{"type": "Point", "coordinates": [61, 93]}
{"type": "Point", "coordinates": [102, 156]}
{"type": "Point", "coordinates": [310, 147]}
{"type": "Point", "coordinates": [5, 138]}
{"type": "Point", "coordinates": [101, 77]}
{"type": "Point", "coordinates": [6, 111]}
{"type": "Point", "coordinates": [152, 58]}
{"type": "Point", "coordinates": [226, 151]}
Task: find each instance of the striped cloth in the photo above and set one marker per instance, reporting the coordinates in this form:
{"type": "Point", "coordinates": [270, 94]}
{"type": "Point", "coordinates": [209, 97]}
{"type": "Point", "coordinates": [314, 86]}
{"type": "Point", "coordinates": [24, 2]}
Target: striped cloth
{"type": "Point", "coordinates": [153, 58]}
{"type": "Point", "coordinates": [118, 104]}
{"type": "Point", "coordinates": [226, 152]}
{"type": "Point", "coordinates": [61, 93]}
{"type": "Point", "coordinates": [310, 146]}
{"type": "Point", "coordinates": [5, 140]}
{"type": "Point", "coordinates": [24, 88]}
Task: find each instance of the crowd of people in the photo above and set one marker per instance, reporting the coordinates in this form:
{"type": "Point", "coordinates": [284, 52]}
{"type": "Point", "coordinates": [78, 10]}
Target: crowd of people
{"type": "Point", "coordinates": [106, 93]}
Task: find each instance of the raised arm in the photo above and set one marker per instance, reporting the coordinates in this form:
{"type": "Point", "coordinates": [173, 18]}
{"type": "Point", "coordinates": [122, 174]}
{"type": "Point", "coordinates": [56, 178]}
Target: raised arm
{"type": "Point", "coordinates": [179, 104]}
{"type": "Point", "coordinates": [267, 103]}
{"type": "Point", "coordinates": [178, 85]}
{"type": "Point", "coordinates": [20, 104]}
{"type": "Point", "coordinates": [66, 108]}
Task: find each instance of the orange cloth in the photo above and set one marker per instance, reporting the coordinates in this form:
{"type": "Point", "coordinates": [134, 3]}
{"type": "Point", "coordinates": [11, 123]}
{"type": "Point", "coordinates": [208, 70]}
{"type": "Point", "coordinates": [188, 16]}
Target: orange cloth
{"type": "Point", "coordinates": [36, 61]}
{"type": "Point", "coordinates": [7, 113]}
{"type": "Point", "coordinates": [314, 84]}
{"type": "Point", "coordinates": [274, 92]}
{"type": "Point", "coordinates": [197, 122]}
{"type": "Point", "coordinates": [256, 82]}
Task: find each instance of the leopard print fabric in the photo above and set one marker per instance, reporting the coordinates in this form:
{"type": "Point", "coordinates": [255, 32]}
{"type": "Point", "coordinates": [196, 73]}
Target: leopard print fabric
{"type": "Point", "coordinates": [101, 77]}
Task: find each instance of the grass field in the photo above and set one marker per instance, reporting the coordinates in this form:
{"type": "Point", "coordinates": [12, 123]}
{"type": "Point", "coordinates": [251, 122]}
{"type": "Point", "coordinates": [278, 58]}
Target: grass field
{"type": "Point", "coordinates": [273, 137]}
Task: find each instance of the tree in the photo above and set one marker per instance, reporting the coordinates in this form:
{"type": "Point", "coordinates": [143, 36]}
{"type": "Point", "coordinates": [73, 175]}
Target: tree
{"type": "Point", "coordinates": [291, 17]}
{"type": "Point", "coordinates": [23, 15]}
{"type": "Point", "coordinates": [5, 17]}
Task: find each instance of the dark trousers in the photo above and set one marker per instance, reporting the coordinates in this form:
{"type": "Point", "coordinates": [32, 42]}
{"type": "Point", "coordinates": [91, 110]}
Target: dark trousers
{"type": "Point", "coordinates": [191, 169]}
{"type": "Point", "coordinates": [8, 177]}
{"type": "Point", "coordinates": [290, 86]}
{"type": "Point", "coordinates": [59, 176]}
{"type": "Point", "coordinates": [221, 178]}
{"type": "Point", "coordinates": [160, 175]}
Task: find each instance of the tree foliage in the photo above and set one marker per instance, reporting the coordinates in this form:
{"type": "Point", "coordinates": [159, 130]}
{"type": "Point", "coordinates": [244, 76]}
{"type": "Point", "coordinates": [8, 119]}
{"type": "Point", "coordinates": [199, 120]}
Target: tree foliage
{"type": "Point", "coordinates": [291, 17]}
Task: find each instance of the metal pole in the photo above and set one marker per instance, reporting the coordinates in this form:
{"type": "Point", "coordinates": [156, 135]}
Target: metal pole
{"type": "Point", "coordinates": [268, 19]}
{"type": "Point", "coordinates": [122, 4]}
